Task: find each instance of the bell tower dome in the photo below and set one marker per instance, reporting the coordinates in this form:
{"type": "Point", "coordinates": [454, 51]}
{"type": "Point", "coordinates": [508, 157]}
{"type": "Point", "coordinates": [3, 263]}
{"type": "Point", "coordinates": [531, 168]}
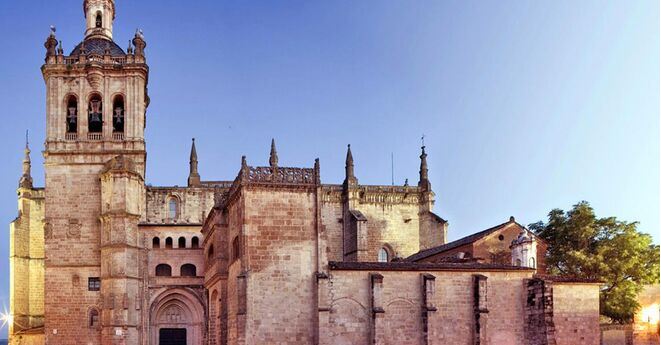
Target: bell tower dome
{"type": "Point", "coordinates": [99, 15]}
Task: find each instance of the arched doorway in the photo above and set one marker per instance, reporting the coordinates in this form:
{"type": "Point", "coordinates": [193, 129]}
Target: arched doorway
{"type": "Point", "coordinates": [177, 318]}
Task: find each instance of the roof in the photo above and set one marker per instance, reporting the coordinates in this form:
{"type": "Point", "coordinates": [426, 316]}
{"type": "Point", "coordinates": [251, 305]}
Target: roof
{"type": "Point", "coordinates": [97, 45]}
{"type": "Point", "coordinates": [566, 279]}
{"type": "Point", "coordinates": [437, 217]}
{"type": "Point", "coordinates": [460, 242]}
{"type": "Point", "coordinates": [358, 215]}
{"type": "Point", "coordinates": [422, 266]}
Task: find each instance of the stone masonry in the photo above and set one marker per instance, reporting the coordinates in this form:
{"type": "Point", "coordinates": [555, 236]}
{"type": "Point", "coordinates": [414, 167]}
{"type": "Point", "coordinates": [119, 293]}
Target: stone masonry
{"type": "Point", "coordinates": [271, 255]}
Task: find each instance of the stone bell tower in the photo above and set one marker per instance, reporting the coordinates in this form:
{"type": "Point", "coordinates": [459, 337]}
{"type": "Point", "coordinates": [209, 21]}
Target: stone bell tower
{"type": "Point", "coordinates": [96, 102]}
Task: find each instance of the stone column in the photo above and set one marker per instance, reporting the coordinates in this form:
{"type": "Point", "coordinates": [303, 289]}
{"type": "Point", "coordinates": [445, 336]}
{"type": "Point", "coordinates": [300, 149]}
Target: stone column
{"type": "Point", "coordinates": [480, 309]}
{"type": "Point", "coordinates": [121, 252]}
{"type": "Point", "coordinates": [377, 329]}
{"type": "Point", "coordinates": [428, 308]}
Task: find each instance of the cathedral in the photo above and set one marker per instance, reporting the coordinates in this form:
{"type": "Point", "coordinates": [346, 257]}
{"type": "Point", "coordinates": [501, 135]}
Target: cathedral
{"type": "Point", "coordinates": [272, 255]}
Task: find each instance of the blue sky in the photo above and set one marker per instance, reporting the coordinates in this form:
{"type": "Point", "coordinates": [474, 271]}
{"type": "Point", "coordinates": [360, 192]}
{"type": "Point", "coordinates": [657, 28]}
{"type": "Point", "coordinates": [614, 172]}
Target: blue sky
{"type": "Point", "coordinates": [526, 106]}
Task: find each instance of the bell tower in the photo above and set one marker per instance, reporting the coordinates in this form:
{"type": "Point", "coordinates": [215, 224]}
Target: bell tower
{"type": "Point", "coordinates": [99, 15]}
{"type": "Point", "coordinates": [96, 103]}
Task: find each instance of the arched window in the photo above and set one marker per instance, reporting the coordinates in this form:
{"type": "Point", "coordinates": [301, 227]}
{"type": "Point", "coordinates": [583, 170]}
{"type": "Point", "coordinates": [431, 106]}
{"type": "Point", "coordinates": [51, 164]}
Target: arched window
{"type": "Point", "coordinates": [118, 114]}
{"type": "Point", "coordinates": [532, 263]}
{"type": "Point", "coordinates": [94, 318]}
{"type": "Point", "coordinates": [188, 270]}
{"type": "Point", "coordinates": [236, 249]}
{"type": "Point", "coordinates": [95, 114]}
{"type": "Point", "coordinates": [210, 253]}
{"type": "Point", "coordinates": [163, 270]}
{"type": "Point", "coordinates": [173, 208]}
{"type": "Point", "coordinates": [383, 255]}
{"type": "Point", "coordinates": [156, 243]}
{"type": "Point", "coordinates": [195, 242]}
{"type": "Point", "coordinates": [518, 262]}
{"type": "Point", "coordinates": [182, 242]}
{"type": "Point", "coordinates": [99, 20]}
{"type": "Point", "coordinates": [168, 243]}
{"type": "Point", "coordinates": [72, 114]}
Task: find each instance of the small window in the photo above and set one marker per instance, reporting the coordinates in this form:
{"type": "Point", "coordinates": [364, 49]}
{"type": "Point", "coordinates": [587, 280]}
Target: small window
{"type": "Point", "coordinates": [156, 243]}
{"type": "Point", "coordinates": [163, 270]}
{"type": "Point", "coordinates": [168, 243]}
{"type": "Point", "coordinates": [99, 20]}
{"type": "Point", "coordinates": [188, 270]}
{"type": "Point", "coordinates": [94, 318]}
{"type": "Point", "coordinates": [383, 255]}
{"type": "Point", "coordinates": [195, 242]}
{"type": "Point", "coordinates": [236, 249]}
{"type": "Point", "coordinates": [532, 263]}
{"type": "Point", "coordinates": [173, 208]}
{"type": "Point", "coordinates": [93, 284]}
{"type": "Point", "coordinates": [182, 242]}
{"type": "Point", "coordinates": [210, 253]}
{"type": "Point", "coordinates": [501, 237]}
{"type": "Point", "coordinates": [518, 262]}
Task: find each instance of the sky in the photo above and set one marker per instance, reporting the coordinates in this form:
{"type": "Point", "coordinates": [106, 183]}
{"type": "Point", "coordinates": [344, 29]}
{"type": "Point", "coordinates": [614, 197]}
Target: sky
{"type": "Point", "coordinates": [525, 106]}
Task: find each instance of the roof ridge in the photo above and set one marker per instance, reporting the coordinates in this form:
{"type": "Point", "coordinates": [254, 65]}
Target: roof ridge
{"type": "Point", "coordinates": [456, 243]}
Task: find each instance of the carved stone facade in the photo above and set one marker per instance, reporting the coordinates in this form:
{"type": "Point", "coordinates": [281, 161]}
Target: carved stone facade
{"type": "Point", "coordinates": [271, 256]}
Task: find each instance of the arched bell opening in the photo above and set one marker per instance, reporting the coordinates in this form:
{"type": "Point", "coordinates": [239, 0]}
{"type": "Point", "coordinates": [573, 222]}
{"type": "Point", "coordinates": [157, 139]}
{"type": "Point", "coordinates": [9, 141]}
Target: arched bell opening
{"type": "Point", "coordinates": [118, 114]}
{"type": "Point", "coordinates": [95, 114]}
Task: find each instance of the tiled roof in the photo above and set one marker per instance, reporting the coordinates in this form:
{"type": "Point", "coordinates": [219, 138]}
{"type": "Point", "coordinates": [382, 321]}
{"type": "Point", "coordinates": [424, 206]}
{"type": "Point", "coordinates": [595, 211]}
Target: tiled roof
{"type": "Point", "coordinates": [98, 46]}
{"type": "Point", "coordinates": [458, 243]}
{"type": "Point", "coordinates": [423, 266]}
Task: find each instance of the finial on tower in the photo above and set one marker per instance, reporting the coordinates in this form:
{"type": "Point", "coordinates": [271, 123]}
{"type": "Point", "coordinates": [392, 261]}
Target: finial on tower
{"type": "Point", "coordinates": [424, 171]}
{"type": "Point", "coordinates": [26, 178]}
{"type": "Point", "coordinates": [51, 43]}
{"type": "Point", "coordinates": [350, 179]}
{"type": "Point", "coordinates": [273, 158]}
{"type": "Point", "coordinates": [193, 175]}
{"type": "Point", "coordinates": [139, 43]}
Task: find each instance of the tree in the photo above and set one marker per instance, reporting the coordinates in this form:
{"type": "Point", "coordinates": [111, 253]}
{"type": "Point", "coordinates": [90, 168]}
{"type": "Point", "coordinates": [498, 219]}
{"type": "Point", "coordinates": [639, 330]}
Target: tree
{"type": "Point", "coordinates": [580, 245]}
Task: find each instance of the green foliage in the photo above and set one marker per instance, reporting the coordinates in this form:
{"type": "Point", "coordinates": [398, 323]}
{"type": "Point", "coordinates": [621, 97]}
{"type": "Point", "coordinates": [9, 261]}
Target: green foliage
{"type": "Point", "coordinates": [605, 249]}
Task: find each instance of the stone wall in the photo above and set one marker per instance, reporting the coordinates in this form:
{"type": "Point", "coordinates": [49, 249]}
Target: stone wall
{"type": "Point", "coordinates": [73, 253]}
{"type": "Point", "coordinates": [391, 313]}
{"type": "Point", "coordinates": [393, 220]}
{"type": "Point", "coordinates": [280, 257]}
{"type": "Point", "coordinates": [26, 264]}
{"type": "Point", "coordinates": [576, 313]}
{"type": "Point", "coordinates": [194, 204]}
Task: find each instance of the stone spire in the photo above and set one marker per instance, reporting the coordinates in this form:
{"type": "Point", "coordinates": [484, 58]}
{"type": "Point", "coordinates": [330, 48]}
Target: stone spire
{"type": "Point", "coordinates": [193, 175]}
{"type": "Point", "coordinates": [350, 178]}
{"type": "Point", "coordinates": [424, 172]}
{"type": "Point", "coordinates": [273, 158]}
{"type": "Point", "coordinates": [26, 178]}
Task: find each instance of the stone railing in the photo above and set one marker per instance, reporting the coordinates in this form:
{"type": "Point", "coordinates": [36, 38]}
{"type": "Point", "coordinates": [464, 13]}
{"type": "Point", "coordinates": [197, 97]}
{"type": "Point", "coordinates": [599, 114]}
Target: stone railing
{"type": "Point", "coordinates": [118, 136]}
{"type": "Point", "coordinates": [95, 58]}
{"type": "Point", "coordinates": [112, 60]}
{"type": "Point", "coordinates": [281, 175]}
{"type": "Point", "coordinates": [71, 136]}
{"type": "Point", "coordinates": [95, 136]}
{"type": "Point", "coordinates": [305, 177]}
